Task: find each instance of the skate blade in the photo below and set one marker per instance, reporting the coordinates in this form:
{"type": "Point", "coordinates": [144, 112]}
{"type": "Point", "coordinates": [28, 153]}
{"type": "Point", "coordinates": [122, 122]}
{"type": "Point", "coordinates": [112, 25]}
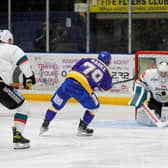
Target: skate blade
{"type": "Point", "coordinates": [84, 134]}
{"type": "Point", "coordinates": [21, 146]}
{"type": "Point", "coordinates": [42, 131]}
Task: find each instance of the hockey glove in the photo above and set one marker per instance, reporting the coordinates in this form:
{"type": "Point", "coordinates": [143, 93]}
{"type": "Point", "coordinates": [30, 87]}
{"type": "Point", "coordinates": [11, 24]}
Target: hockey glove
{"type": "Point", "coordinates": [29, 82]}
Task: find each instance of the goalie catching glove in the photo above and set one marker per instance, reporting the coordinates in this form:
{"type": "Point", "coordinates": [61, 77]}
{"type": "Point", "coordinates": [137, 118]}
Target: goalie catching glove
{"type": "Point", "coordinates": [28, 82]}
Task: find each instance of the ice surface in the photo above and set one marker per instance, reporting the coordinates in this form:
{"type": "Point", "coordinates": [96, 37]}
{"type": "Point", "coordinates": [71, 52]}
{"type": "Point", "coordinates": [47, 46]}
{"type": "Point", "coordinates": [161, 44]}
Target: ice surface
{"type": "Point", "coordinates": [118, 142]}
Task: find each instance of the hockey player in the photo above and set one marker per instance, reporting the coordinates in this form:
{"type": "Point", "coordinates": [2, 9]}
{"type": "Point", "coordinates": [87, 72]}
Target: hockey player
{"type": "Point", "coordinates": [154, 82]}
{"type": "Point", "coordinates": [10, 57]}
{"type": "Point", "coordinates": [80, 82]}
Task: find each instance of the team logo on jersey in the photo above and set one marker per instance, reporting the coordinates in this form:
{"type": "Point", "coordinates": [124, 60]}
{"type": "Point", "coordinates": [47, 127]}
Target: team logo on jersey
{"type": "Point", "coordinates": [162, 95]}
{"type": "Point", "coordinates": [163, 86]}
{"type": "Point", "coordinates": [161, 89]}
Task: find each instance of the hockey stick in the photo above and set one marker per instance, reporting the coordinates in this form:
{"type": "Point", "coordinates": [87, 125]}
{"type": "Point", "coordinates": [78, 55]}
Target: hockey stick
{"type": "Point", "coordinates": [127, 80]}
{"type": "Point", "coordinates": [16, 84]}
{"type": "Point", "coordinates": [123, 81]}
{"type": "Point", "coordinates": [151, 114]}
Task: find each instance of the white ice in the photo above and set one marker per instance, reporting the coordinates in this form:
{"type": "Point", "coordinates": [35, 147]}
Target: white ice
{"type": "Point", "coordinates": [118, 141]}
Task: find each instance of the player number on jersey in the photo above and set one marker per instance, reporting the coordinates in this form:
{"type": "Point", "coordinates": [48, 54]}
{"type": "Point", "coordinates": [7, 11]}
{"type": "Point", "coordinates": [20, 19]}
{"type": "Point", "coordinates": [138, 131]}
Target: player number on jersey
{"type": "Point", "coordinates": [95, 73]}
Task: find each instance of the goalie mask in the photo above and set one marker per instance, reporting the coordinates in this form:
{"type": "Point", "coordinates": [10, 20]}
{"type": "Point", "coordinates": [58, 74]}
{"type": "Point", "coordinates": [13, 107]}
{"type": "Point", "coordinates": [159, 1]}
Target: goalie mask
{"type": "Point", "coordinates": [6, 36]}
{"type": "Point", "coordinates": [163, 69]}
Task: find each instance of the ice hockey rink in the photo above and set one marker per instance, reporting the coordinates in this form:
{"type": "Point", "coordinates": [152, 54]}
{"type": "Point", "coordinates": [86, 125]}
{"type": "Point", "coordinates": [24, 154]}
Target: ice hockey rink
{"type": "Point", "coordinates": [118, 141]}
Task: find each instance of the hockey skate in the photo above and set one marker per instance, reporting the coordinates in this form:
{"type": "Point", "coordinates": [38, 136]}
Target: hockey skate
{"type": "Point", "coordinates": [44, 127]}
{"type": "Point", "coordinates": [19, 141]}
{"type": "Point", "coordinates": [83, 130]}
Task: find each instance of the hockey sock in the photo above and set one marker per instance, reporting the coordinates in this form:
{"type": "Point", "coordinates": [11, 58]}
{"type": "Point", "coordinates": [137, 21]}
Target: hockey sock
{"type": "Point", "coordinates": [88, 117]}
{"type": "Point", "coordinates": [50, 115]}
{"type": "Point", "coordinates": [20, 121]}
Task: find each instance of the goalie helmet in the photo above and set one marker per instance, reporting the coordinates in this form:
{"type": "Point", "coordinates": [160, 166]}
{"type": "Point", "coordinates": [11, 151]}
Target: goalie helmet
{"type": "Point", "coordinates": [105, 57]}
{"type": "Point", "coordinates": [163, 69]}
{"type": "Point", "coordinates": [6, 36]}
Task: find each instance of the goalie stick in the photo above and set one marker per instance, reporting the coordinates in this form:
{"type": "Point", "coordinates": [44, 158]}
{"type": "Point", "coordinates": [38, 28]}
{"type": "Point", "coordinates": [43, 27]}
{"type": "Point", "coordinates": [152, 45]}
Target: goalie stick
{"type": "Point", "coordinates": [151, 114]}
{"type": "Point", "coordinates": [153, 117]}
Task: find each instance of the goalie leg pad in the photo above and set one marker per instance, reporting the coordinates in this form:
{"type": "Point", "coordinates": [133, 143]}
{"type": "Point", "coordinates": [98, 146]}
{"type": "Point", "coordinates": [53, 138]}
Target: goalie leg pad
{"type": "Point", "coordinates": [10, 97]}
{"type": "Point", "coordinates": [164, 114]}
{"type": "Point", "coordinates": [143, 118]}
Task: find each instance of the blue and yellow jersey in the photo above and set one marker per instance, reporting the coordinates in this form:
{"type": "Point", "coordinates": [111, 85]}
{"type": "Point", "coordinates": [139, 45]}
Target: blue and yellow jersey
{"type": "Point", "coordinates": [91, 73]}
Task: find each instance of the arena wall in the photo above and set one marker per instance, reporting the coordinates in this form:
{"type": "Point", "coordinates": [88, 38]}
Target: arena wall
{"type": "Point", "coordinates": [51, 68]}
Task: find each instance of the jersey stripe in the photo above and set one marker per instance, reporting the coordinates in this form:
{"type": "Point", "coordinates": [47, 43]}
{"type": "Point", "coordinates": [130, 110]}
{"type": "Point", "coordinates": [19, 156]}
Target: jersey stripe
{"type": "Point", "coordinates": [81, 79]}
{"type": "Point", "coordinates": [22, 60]}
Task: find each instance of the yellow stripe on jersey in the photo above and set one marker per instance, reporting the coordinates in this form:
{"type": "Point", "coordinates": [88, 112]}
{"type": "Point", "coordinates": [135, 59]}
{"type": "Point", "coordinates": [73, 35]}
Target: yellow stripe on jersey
{"type": "Point", "coordinates": [107, 68]}
{"type": "Point", "coordinates": [81, 79]}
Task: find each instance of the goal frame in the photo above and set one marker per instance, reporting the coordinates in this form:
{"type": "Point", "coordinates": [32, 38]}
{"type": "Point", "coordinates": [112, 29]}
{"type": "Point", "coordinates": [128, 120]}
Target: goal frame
{"type": "Point", "coordinates": [137, 68]}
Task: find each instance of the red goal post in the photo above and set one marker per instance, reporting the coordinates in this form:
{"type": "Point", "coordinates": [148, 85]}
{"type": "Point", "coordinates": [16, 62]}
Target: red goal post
{"type": "Point", "coordinates": [148, 59]}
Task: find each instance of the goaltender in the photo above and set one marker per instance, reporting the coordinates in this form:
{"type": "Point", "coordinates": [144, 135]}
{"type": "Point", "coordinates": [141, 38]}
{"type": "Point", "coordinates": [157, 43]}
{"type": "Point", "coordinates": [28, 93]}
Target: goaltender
{"type": "Point", "coordinates": [152, 83]}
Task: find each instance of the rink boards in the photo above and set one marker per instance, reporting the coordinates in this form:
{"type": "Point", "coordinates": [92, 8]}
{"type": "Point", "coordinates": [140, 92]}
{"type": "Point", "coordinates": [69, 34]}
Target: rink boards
{"type": "Point", "coordinates": [51, 69]}
{"type": "Point", "coordinates": [103, 100]}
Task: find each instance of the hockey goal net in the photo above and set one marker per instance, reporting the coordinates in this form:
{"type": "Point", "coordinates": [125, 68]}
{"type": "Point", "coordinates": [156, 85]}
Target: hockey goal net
{"type": "Point", "coordinates": [148, 59]}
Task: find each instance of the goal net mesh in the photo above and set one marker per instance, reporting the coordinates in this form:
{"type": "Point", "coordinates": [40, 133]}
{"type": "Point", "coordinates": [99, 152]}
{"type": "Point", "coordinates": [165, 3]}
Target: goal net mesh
{"type": "Point", "coordinates": [145, 60]}
{"type": "Point", "coordinates": [149, 59]}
